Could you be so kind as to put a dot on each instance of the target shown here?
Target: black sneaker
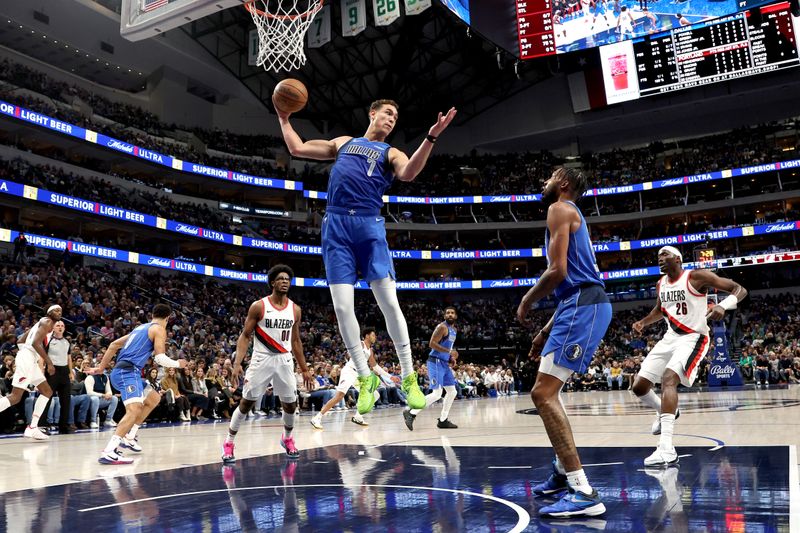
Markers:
(445, 424)
(409, 418)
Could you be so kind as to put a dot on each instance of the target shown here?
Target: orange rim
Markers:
(250, 6)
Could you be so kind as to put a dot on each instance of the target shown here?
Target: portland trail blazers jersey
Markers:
(683, 307)
(273, 333)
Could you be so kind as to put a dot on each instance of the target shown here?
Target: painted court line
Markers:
(429, 466)
(604, 464)
(511, 467)
(523, 518)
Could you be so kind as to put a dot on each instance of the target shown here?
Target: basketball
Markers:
(290, 95)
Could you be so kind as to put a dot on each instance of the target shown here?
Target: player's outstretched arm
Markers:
(701, 279)
(111, 351)
(559, 220)
(405, 168)
(254, 314)
(321, 150)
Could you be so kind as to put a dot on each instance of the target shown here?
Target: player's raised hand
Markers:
(281, 114)
(442, 122)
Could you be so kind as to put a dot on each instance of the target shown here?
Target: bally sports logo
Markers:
(502, 283)
(119, 145)
(786, 226)
(189, 230)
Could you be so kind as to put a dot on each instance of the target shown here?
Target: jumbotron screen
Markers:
(547, 27)
(744, 44)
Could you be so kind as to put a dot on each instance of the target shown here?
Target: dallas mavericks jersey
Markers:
(360, 175)
(581, 263)
(138, 348)
(447, 342)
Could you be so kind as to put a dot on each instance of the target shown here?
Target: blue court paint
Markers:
(746, 488)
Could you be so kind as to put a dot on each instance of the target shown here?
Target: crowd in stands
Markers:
(445, 175)
(101, 305)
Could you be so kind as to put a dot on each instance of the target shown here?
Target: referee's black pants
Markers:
(59, 382)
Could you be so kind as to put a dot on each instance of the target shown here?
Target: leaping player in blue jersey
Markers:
(354, 234)
(569, 339)
(135, 349)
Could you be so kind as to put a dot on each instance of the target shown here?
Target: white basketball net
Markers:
(282, 26)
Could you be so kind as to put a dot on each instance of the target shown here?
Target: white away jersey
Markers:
(683, 307)
(273, 333)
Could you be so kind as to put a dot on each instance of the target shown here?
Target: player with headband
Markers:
(682, 302)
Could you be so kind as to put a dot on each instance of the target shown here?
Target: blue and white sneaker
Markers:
(575, 503)
(131, 444)
(555, 483)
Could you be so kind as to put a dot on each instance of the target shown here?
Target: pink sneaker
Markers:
(227, 453)
(288, 444)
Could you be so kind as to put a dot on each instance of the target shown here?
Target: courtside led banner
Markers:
(102, 252)
(118, 213)
(65, 128)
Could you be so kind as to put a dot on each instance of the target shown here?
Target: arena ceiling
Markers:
(427, 62)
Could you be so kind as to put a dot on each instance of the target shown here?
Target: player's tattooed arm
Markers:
(702, 279)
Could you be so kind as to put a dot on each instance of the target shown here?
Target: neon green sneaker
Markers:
(366, 399)
(414, 397)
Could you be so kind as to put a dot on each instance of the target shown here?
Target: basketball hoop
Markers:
(282, 25)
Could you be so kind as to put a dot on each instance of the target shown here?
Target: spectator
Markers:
(98, 387)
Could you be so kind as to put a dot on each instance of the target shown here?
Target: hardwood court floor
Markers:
(738, 471)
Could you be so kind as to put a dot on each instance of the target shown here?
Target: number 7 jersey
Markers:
(683, 307)
(273, 334)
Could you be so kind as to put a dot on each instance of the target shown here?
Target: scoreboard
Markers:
(535, 28)
(744, 44)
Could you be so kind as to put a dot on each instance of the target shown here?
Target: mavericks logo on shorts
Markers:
(573, 353)
(130, 389)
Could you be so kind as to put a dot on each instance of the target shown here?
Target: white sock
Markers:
(343, 297)
(288, 423)
(578, 481)
(651, 399)
(132, 433)
(667, 427)
(430, 399)
(236, 421)
(112, 444)
(385, 291)
(5, 403)
(38, 409)
(450, 396)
